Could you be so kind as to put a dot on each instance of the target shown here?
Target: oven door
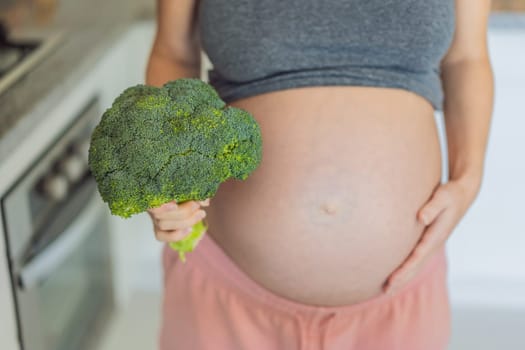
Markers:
(64, 293)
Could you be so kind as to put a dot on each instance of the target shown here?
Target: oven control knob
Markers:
(56, 187)
(73, 167)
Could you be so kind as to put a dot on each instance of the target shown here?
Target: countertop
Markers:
(88, 29)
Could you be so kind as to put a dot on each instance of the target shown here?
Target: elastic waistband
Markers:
(228, 273)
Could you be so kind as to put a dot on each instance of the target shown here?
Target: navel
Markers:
(329, 208)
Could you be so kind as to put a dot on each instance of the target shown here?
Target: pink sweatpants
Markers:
(209, 303)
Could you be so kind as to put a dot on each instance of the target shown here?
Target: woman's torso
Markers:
(331, 210)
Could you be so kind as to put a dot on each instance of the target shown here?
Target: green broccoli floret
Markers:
(178, 142)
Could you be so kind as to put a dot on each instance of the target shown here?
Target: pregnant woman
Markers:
(337, 240)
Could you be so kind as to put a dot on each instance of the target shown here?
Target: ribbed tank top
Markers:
(257, 46)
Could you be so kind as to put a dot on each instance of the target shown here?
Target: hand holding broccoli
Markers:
(172, 222)
(174, 143)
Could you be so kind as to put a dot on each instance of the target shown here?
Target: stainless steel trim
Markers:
(48, 43)
(43, 265)
(20, 222)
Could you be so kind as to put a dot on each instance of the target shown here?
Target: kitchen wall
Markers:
(487, 249)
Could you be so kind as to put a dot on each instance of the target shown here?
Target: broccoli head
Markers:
(178, 142)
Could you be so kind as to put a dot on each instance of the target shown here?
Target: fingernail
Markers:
(202, 214)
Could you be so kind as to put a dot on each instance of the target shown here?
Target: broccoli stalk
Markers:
(178, 142)
(188, 243)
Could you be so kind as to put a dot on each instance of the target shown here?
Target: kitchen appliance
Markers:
(58, 244)
(18, 55)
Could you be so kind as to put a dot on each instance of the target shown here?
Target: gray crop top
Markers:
(258, 46)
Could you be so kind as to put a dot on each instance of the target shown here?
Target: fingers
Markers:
(440, 214)
(173, 221)
(434, 206)
(434, 237)
(181, 223)
(164, 208)
(171, 236)
(172, 211)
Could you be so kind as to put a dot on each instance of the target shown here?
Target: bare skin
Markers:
(334, 208)
(331, 210)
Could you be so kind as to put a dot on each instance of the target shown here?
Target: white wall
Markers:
(487, 248)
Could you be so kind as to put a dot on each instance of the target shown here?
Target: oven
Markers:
(58, 244)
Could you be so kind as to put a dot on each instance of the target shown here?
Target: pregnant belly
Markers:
(331, 210)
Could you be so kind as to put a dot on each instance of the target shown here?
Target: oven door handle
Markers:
(44, 264)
